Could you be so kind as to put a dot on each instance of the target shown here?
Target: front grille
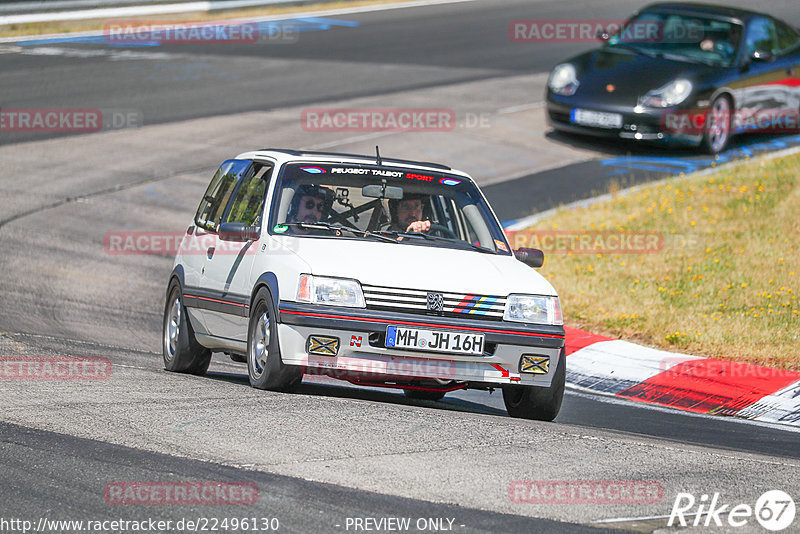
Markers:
(462, 305)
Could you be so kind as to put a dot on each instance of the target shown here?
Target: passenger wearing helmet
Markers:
(310, 204)
(407, 214)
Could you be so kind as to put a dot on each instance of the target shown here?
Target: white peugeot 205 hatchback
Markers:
(378, 271)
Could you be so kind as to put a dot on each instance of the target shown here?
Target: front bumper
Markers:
(645, 125)
(361, 349)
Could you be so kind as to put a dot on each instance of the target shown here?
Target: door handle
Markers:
(210, 252)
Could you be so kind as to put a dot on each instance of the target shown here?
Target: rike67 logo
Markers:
(774, 510)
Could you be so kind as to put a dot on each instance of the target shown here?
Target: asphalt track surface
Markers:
(64, 297)
(37, 458)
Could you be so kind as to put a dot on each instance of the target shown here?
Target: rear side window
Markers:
(787, 37)
(212, 207)
(761, 36)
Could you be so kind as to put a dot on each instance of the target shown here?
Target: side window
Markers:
(212, 207)
(787, 37)
(760, 36)
(248, 201)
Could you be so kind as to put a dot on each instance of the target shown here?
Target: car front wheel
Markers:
(532, 402)
(264, 365)
(717, 131)
(182, 353)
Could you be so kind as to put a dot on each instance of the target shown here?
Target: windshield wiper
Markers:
(428, 237)
(690, 59)
(481, 249)
(315, 226)
(395, 233)
(635, 49)
(649, 52)
(451, 240)
(339, 228)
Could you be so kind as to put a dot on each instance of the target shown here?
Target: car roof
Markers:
(288, 155)
(704, 9)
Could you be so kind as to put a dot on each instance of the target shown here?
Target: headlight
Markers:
(563, 80)
(333, 291)
(533, 309)
(671, 94)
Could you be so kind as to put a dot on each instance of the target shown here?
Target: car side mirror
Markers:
(762, 55)
(530, 256)
(603, 35)
(239, 232)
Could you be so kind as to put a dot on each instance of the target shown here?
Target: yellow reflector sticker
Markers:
(531, 363)
(322, 346)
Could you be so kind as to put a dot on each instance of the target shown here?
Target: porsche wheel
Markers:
(717, 131)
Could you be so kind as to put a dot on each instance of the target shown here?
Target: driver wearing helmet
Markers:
(406, 214)
(310, 204)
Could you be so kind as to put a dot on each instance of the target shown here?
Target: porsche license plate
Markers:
(599, 119)
(434, 340)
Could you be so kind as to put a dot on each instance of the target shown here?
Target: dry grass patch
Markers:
(725, 284)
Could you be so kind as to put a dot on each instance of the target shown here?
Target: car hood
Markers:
(631, 74)
(420, 267)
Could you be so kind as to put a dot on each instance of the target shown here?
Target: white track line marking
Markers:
(165, 9)
(521, 107)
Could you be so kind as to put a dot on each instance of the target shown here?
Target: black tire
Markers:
(541, 404)
(417, 394)
(797, 119)
(264, 366)
(717, 130)
(181, 351)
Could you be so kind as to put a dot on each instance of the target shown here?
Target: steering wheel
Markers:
(443, 230)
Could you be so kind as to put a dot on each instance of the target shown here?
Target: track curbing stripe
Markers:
(684, 382)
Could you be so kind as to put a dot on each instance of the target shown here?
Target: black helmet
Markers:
(311, 190)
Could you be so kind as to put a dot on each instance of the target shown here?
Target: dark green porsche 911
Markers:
(683, 74)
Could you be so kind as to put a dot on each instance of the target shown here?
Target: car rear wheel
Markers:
(264, 365)
(182, 353)
(531, 402)
(717, 131)
(417, 394)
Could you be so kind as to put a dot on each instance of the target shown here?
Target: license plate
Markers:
(434, 340)
(596, 118)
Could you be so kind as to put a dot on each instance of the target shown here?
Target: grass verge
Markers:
(721, 278)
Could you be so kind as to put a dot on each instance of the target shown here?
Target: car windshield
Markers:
(681, 37)
(386, 204)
